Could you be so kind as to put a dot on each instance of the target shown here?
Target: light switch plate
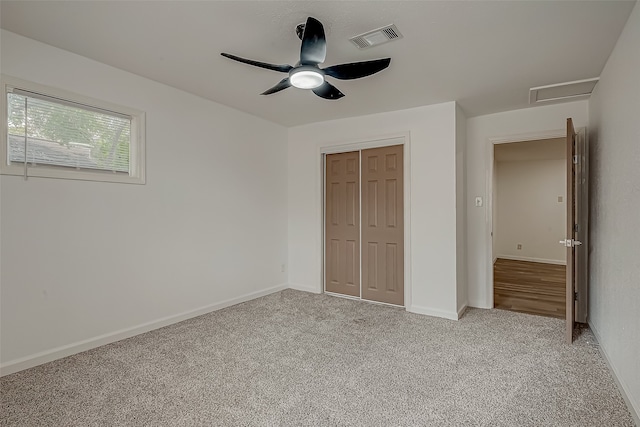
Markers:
(478, 202)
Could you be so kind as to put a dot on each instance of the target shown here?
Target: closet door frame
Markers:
(359, 145)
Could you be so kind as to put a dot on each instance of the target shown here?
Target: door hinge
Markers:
(575, 296)
(575, 159)
(576, 227)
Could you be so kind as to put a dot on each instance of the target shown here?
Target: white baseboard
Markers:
(303, 288)
(479, 304)
(531, 259)
(30, 361)
(435, 312)
(461, 311)
(634, 409)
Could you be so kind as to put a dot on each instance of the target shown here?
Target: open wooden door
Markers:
(576, 213)
(569, 242)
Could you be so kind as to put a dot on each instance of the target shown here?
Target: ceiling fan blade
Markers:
(283, 68)
(314, 45)
(355, 70)
(283, 84)
(328, 91)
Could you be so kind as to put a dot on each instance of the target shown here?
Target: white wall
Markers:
(614, 140)
(529, 211)
(511, 124)
(82, 260)
(433, 199)
(461, 205)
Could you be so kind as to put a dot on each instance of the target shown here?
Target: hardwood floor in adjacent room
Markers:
(529, 287)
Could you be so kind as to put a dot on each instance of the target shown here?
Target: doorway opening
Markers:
(576, 203)
(529, 219)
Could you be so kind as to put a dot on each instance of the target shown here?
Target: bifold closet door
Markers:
(383, 225)
(342, 223)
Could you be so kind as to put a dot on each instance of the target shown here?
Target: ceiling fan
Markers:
(306, 74)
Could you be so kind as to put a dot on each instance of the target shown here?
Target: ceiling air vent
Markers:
(376, 37)
(570, 90)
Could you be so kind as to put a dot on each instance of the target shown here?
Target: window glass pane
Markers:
(58, 134)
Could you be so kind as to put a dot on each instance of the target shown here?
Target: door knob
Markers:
(570, 243)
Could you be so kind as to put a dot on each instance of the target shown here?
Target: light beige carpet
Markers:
(297, 359)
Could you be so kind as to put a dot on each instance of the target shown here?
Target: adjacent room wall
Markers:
(529, 211)
(495, 236)
(614, 139)
(433, 199)
(84, 263)
(510, 124)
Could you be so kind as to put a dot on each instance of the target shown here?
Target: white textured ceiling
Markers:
(485, 55)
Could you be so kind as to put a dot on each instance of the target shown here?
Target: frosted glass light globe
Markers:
(306, 78)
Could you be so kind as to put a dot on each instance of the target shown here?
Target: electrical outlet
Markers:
(519, 246)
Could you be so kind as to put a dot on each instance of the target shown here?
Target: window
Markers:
(64, 135)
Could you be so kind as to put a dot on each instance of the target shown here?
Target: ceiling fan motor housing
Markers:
(300, 30)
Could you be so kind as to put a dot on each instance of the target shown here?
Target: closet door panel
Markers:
(342, 223)
(383, 225)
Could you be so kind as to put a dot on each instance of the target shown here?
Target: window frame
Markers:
(136, 148)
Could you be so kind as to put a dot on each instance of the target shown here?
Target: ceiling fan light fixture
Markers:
(306, 78)
(307, 74)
